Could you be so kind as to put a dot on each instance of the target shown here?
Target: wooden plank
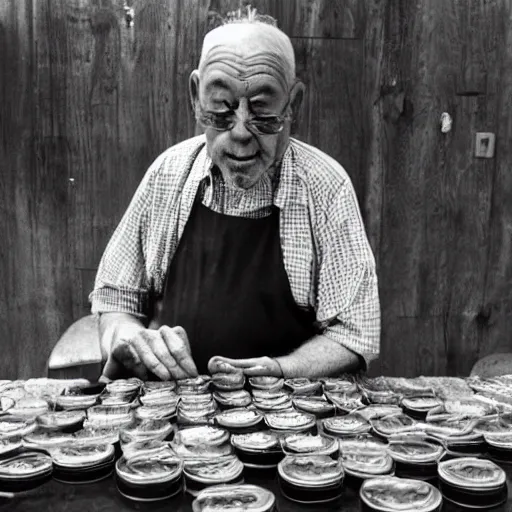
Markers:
(342, 19)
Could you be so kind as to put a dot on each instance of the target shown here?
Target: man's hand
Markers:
(251, 367)
(164, 352)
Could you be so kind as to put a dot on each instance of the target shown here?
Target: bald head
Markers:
(253, 45)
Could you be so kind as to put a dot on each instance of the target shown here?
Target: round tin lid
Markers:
(76, 401)
(144, 429)
(111, 400)
(338, 385)
(145, 469)
(157, 412)
(197, 384)
(96, 435)
(471, 473)
(278, 403)
(344, 401)
(310, 470)
(255, 441)
(29, 407)
(160, 397)
(25, 465)
(214, 470)
(240, 397)
(377, 411)
(419, 452)
(365, 457)
(202, 434)
(110, 415)
(266, 382)
(158, 385)
(289, 420)
(124, 386)
(9, 444)
(390, 494)
(44, 438)
(16, 426)
(393, 424)
(196, 399)
(313, 404)
(60, 419)
(234, 380)
(234, 497)
(464, 408)
(78, 456)
(302, 385)
(238, 418)
(499, 439)
(421, 403)
(349, 424)
(306, 443)
(454, 430)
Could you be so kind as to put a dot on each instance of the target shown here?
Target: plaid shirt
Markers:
(326, 253)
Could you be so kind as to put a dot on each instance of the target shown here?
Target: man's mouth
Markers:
(242, 158)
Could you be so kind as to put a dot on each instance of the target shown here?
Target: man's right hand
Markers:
(165, 352)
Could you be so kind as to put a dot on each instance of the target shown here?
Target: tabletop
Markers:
(102, 496)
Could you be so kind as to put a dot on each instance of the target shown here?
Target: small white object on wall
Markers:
(446, 122)
(484, 144)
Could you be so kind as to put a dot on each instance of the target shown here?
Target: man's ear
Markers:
(296, 98)
(193, 88)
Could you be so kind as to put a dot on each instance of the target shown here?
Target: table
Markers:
(104, 497)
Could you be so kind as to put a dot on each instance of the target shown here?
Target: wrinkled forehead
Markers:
(249, 49)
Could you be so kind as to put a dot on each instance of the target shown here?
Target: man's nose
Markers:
(239, 131)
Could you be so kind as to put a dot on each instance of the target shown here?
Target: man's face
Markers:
(243, 87)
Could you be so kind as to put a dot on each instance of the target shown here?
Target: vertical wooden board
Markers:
(341, 19)
(332, 111)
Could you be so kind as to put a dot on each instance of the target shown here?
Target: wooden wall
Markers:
(87, 102)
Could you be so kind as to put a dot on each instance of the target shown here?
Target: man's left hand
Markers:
(251, 367)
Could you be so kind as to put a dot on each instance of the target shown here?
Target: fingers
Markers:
(217, 365)
(238, 363)
(257, 370)
(178, 346)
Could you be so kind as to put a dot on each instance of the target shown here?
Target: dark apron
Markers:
(228, 288)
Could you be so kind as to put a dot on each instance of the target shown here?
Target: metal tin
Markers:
(145, 430)
(91, 435)
(24, 471)
(295, 444)
(394, 424)
(199, 384)
(391, 494)
(302, 386)
(68, 421)
(239, 419)
(6, 403)
(9, 445)
(258, 450)
(46, 439)
(13, 426)
(149, 478)
(499, 446)
(160, 397)
(317, 405)
(83, 464)
(157, 412)
(345, 402)
(102, 415)
(339, 385)
(202, 473)
(190, 414)
(230, 399)
(29, 407)
(76, 401)
(310, 478)
(228, 381)
(124, 386)
(416, 458)
(348, 425)
(271, 400)
(417, 407)
(377, 411)
(290, 421)
(151, 386)
(266, 382)
(472, 482)
(231, 497)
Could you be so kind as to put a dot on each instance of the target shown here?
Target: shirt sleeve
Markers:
(347, 289)
(122, 284)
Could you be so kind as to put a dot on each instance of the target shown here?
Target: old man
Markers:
(243, 248)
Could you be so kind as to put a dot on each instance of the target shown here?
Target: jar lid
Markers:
(350, 424)
(411, 452)
(310, 470)
(279, 402)
(471, 473)
(44, 438)
(313, 404)
(214, 470)
(144, 469)
(302, 385)
(238, 418)
(365, 457)
(203, 434)
(453, 429)
(266, 382)
(289, 420)
(157, 412)
(421, 403)
(255, 441)
(306, 443)
(78, 401)
(393, 424)
(60, 419)
(199, 384)
(25, 465)
(77, 456)
(390, 494)
(232, 497)
(234, 380)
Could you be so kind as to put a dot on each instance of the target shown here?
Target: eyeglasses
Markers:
(224, 121)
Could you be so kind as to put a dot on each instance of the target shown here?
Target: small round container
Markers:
(163, 396)
(45, 440)
(111, 400)
(392, 494)
(378, 411)
(115, 416)
(266, 382)
(200, 384)
(196, 400)
(76, 401)
(231, 497)
(258, 450)
(124, 386)
(310, 479)
(198, 414)
(363, 459)
(457, 436)
(29, 407)
(156, 412)
(83, 464)
(417, 407)
(66, 421)
(94, 436)
(381, 397)
(303, 386)
(232, 399)
(499, 446)
(11, 426)
(10, 445)
(146, 430)
(345, 403)
(155, 477)
(297, 444)
(317, 405)
(416, 459)
(24, 471)
(472, 482)
(158, 385)
(463, 408)
(339, 385)
(239, 420)
(392, 425)
(228, 381)
(202, 435)
(279, 402)
(345, 426)
(290, 422)
(202, 473)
